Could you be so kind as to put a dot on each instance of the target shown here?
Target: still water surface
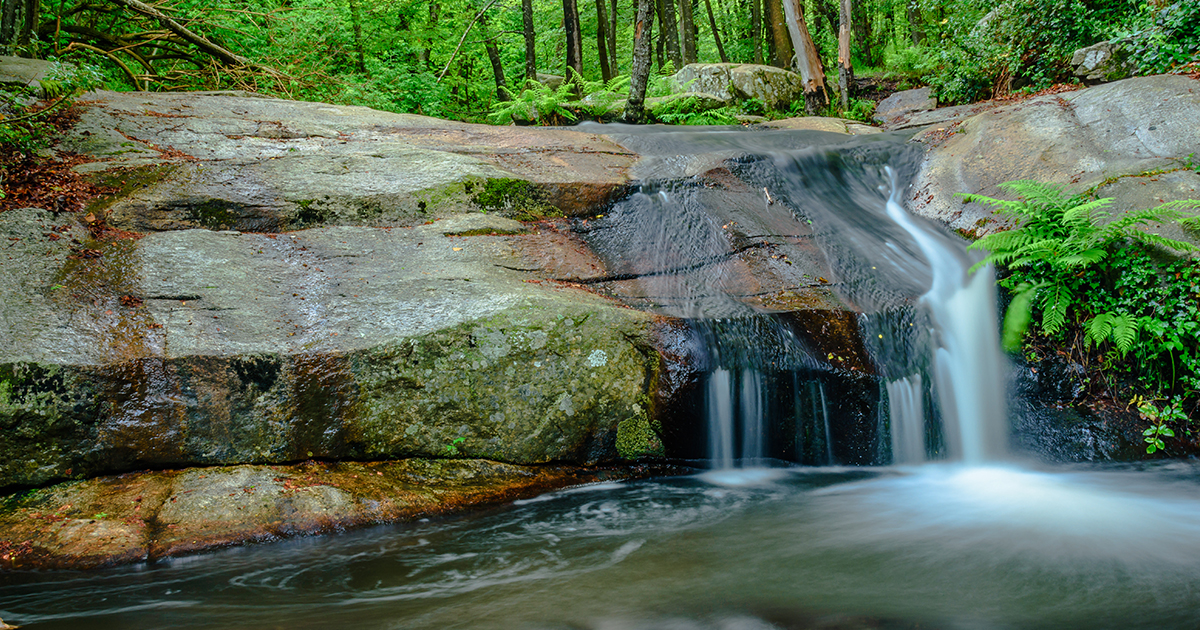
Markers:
(934, 546)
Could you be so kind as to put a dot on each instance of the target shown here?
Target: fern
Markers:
(537, 102)
(1059, 238)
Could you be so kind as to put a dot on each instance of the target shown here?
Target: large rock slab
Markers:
(149, 516)
(198, 347)
(775, 87)
(235, 161)
(903, 104)
(1090, 139)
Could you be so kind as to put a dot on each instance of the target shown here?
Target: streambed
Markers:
(934, 546)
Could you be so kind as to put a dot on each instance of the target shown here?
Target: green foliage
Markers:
(1166, 38)
(452, 447)
(1159, 419)
(536, 103)
(691, 111)
(1080, 268)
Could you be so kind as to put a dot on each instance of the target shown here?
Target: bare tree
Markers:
(640, 72)
(670, 32)
(356, 23)
(808, 62)
(756, 29)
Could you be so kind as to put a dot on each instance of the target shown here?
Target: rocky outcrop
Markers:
(233, 161)
(1129, 139)
(899, 106)
(775, 87)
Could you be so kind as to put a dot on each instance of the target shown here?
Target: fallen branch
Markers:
(73, 46)
(200, 42)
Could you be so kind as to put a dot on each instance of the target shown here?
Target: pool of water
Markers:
(933, 546)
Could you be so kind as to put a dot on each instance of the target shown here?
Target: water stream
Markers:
(950, 535)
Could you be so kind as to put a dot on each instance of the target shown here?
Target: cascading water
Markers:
(939, 546)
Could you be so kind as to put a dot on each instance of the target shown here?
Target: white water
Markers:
(968, 366)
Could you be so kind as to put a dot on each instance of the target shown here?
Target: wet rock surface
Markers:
(153, 515)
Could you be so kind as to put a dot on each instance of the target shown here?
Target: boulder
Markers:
(903, 104)
(1101, 63)
(199, 347)
(775, 87)
(1140, 130)
(703, 101)
(552, 81)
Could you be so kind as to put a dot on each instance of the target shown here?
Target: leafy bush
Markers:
(1083, 271)
(536, 103)
(1168, 37)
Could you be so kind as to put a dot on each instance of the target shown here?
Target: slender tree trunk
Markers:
(845, 69)
(687, 35)
(640, 72)
(670, 32)
(781, 42)
(808, 62)
(493, 53)
(432, 24)
(916, 26)
(660, 45)
(712, 22)
(602, 40)
(756, 29)
(574, 38)
(33, 11)
(356, 22)
(530, 41)
(862, 33)
(10, 11)
(612, 41)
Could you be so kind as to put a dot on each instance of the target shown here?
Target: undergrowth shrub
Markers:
(1082, 276)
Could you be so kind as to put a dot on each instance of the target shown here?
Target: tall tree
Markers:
(781, 44)
(845, 69)
(356, 23)
(756, 29)
(612, 41)
(687, 33)
(916, 24)
(430, 34)
(492, 48)
(640, 72)
(670, 32)
(712, 21)
(808, 62)
(530, 40)
(602, 40)
(574, 37)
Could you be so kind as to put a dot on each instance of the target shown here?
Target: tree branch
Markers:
(456, 48)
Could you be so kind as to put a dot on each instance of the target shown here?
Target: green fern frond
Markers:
(1056, 299)
(1000, 206)
(1162, 241)
(1016, 318)
(1124, 332)
(1084, 258)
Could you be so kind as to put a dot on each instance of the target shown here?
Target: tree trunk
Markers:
(862, 33)
(808, 62)
(756, 29)
(687, 35)
(432, 24)
(493, 53)
(530, 41)
(33, 12)
(712, 21)
(356, 22)
(640, 72)
(660, 45)
(10, 10)
(612, 41)
(845, 69)
(670, 32)
(916, 26)
(574, 38)
(782, 44)
(602, 40)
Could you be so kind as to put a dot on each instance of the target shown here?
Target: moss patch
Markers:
(639, 437)
(516, 198)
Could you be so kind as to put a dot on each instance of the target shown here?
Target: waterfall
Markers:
(968, 374)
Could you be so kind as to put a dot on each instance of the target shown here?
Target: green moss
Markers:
(517, 198)
(126, 181)
(214, 215)
(638, 436)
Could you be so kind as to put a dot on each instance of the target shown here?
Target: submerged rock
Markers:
(149, 516)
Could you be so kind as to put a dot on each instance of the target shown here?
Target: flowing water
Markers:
(949, 536)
